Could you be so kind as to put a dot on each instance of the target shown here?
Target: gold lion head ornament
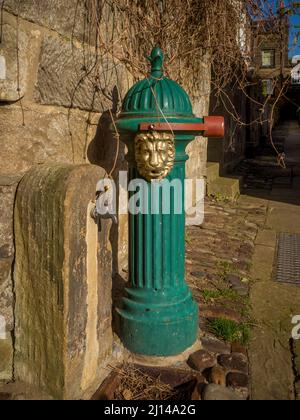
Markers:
(154, 155)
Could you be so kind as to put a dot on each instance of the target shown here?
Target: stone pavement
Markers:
(274, 356)
(219, 260)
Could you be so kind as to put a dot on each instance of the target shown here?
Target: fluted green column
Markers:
(159, 316)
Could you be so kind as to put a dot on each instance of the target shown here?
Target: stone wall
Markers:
(47, 60)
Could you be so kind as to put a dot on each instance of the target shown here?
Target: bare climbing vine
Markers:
(198, 37)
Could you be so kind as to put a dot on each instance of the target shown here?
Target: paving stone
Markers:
(242, 288)
(234, 280)
(217, 376)
(237, 380)
(234, 362)
(239, 348)
(213, 345)
(201, 360)
(213, 312)
(214, 392)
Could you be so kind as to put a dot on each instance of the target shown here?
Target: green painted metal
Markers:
(157, 94)
(159, 316)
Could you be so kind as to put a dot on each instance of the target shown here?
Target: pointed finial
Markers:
(157, 60)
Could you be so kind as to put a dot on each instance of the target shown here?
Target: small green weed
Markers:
(230, 331)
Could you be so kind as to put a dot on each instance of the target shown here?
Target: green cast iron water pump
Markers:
(159, 316)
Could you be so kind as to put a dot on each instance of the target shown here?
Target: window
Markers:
(268, 58)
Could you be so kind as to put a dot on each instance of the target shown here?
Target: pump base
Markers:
(162, 329)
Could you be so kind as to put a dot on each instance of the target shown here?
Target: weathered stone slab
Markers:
(60, 15)
(71, 76)
(63, 280)
(17, 51)
(50, 135)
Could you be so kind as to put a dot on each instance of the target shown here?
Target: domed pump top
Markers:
(161, 104)
(157, 60)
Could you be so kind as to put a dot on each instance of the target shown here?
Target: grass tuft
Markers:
(230, 331)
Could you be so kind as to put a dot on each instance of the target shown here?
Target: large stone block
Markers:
(64, 16)
(63, 280)
(50, 134)
(75, 77)
(18, 49)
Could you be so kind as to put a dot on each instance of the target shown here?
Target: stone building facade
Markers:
(270, 47)
(51, 112)
(270, 73)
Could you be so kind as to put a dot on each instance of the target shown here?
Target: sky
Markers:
(295, 20)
